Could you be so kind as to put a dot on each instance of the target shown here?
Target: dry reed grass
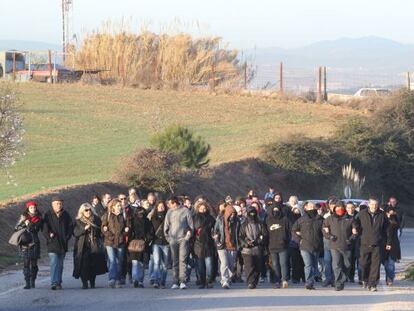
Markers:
(150, 60)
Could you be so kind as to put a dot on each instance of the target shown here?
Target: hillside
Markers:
(78, 134)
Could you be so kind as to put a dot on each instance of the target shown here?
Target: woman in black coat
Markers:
(204, 247)
(32, 221)
(394, 254)
(88, 254)
(141, 229)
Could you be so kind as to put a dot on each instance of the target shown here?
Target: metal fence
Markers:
(280, 77)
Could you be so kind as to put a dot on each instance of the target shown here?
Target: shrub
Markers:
(151, 170)
(380, 147)
(192, 150)
(302, 155)
(383, 146)
(11, 127)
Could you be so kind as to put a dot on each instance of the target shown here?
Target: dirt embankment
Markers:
(73, 197)
(233, 178)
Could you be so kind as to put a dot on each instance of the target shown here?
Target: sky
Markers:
(243, 24)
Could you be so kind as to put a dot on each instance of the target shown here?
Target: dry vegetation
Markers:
(150, 60)
(359, 103)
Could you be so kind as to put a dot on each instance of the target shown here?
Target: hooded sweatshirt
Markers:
(177, 223)
(278, 229)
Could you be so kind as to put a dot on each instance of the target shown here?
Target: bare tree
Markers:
(11, 127)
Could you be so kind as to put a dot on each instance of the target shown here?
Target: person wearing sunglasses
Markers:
(88, 254)
(127, 212)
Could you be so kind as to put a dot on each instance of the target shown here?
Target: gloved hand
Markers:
(333, 238)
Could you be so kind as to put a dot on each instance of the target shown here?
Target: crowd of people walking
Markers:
(249, 239)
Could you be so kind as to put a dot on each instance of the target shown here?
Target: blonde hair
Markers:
(145, 204)
(112, 203)
(82, 210)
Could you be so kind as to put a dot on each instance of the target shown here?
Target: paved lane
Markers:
(72, 298)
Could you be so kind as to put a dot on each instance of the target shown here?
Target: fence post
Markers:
(408, 81)
(14, 66)
(281, 79)
(319, 93)
(213, 77)
(325, 90)
(50, 65)
(245, 75)
(30, 65)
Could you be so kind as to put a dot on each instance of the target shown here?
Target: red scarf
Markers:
(33, 218)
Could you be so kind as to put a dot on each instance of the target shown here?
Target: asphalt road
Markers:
(72, 298)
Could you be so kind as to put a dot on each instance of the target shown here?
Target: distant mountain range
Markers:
(21, 45)
(345, 52)
(351, 63)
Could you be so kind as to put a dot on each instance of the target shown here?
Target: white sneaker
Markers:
(225, 285)
(183, 286)
(175, 286)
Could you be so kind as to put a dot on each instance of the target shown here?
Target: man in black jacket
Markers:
(58, 229)
(340, 230)
(374, 237)
(278, 232)
(308, 231)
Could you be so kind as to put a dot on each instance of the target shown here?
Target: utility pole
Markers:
(66, 8)
(408, 81)
(245, 75)
(319, 95)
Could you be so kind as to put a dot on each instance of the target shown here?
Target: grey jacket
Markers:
(177, 223)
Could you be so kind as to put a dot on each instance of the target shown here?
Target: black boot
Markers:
(92, 282)
(27, 284)
(33, 275)
(84, 284)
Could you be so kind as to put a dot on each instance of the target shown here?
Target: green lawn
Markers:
(78, 134)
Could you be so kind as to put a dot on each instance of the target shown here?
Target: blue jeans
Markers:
(310, 260)
(160, 255)
(205, 268)
(389, 266)
(115, 258)
(327, 260)
(280, 265)
(56, 267)
(137, 271)
(151, 273)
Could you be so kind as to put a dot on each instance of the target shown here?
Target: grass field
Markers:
(78, 134)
